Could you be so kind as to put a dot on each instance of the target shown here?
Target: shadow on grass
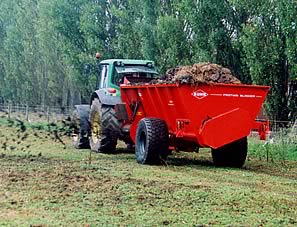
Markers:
(174, 160)
(124, 151)
(186, 161)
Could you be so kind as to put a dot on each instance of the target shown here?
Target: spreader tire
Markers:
(152, 141)
(105, 128)
(231, 155)
(80, 127)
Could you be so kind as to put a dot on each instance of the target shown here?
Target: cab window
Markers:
(104, 76)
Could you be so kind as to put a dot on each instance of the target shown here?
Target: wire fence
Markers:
(42, 113)
(35, 113)
(285, 127)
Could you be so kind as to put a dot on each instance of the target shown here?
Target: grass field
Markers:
(45, 183)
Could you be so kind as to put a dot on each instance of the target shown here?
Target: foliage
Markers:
(45, 45)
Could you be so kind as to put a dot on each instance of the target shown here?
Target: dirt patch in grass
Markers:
(284, 170)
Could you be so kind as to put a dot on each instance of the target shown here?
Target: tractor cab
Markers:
(114, 72)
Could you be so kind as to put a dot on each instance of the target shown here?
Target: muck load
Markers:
(191, 107)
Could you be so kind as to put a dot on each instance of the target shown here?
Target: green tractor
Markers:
(97, 125)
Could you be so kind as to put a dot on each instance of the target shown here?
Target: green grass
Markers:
(283, 147)
(38, 125)
(52, 184)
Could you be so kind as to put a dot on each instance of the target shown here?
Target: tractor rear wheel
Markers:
(231, 155)
(152, 141)
(80, 127)
(104, 128)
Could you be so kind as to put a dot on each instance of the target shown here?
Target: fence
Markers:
(53, 114)
(35, 113)
(284, 126)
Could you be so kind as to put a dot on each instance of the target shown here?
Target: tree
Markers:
(266, 54)
(45, 45)
(127, 41)
(171, 43)
(148, 28)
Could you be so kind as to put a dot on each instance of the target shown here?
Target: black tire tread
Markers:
(110, 128)
(231, 155)
(81, 115)
(157, 140)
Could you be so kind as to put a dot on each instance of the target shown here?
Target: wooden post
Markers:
(47, 114)
(27, 113)
(9, 111)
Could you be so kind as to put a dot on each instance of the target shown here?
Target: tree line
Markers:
(45, 45)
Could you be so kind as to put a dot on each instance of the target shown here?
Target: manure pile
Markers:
(200, 73)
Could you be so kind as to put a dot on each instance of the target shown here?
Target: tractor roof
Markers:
(134, 69)
(127, 61)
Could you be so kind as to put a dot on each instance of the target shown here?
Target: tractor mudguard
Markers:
(106, 99)
(82, 108)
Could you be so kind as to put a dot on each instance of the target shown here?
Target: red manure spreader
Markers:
(131, 103)
(161, 117)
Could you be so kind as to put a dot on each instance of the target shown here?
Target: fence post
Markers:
(9, 111)
(27, 113)
(47, 114)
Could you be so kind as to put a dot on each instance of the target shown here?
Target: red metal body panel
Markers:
(262, 127)
(208, 115)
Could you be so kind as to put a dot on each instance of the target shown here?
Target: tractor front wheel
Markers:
(80, 127)
(231, 155)
(152, 141)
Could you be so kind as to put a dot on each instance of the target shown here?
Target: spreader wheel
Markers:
(104, 128)
(231, 155)
(152, 141)
(80, 127)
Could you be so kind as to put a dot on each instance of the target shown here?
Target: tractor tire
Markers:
(105, 128)
(152, 141)
(231, 155)
(80, 127)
